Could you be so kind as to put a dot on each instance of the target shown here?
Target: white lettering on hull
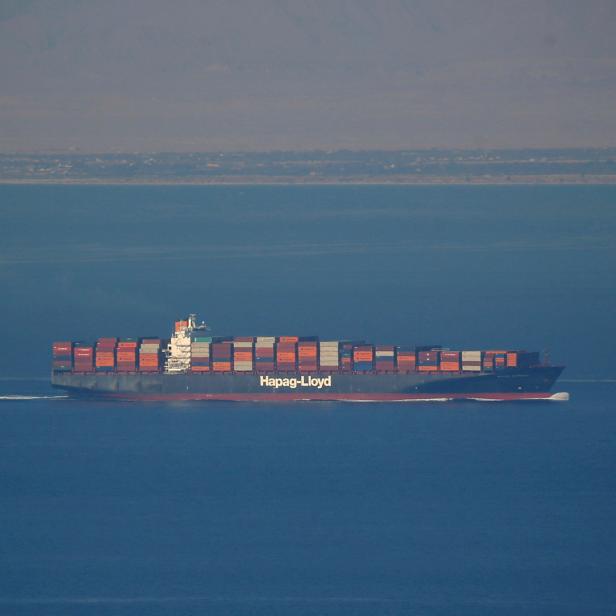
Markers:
(294, 383)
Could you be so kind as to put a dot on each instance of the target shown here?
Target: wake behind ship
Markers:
(193, 365)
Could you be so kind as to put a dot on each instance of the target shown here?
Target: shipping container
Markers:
(292, 339)
(405, 360)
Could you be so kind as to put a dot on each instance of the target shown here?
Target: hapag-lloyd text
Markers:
(293, 383)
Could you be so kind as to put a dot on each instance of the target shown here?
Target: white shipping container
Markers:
(471, 356)
(266, 339)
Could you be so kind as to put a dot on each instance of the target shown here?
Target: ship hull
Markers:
(534, 383)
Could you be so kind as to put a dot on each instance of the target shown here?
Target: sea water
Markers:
(309, 508)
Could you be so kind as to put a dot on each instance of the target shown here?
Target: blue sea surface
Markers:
(310, 508)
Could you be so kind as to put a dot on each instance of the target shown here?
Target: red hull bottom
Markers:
(331, 397)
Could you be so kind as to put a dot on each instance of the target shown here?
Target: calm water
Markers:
(310, 508)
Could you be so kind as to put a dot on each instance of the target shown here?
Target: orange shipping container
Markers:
(450, 366)
(221, 366)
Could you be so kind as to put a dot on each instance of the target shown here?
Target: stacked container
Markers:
(471, 361)
(105, 354)
(286, 353)
(62, 354)
(427, 361)
(405, 360)
(346, 356)
(328, 355)
(512, 359)
(243, 354)
(385, 357)
(264, 353)
(363, 358)
(149, 355)
(307, 355)
(200, 353)
(222, 356)
(126, 355)
(487, 362)
(450, 361)
(83, 357)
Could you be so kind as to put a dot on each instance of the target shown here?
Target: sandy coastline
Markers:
(547, 180)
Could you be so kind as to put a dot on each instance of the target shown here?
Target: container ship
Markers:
(194, 365)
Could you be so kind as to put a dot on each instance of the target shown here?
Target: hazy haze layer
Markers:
(268, 74)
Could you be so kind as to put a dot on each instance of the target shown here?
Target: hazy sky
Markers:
(130, 75)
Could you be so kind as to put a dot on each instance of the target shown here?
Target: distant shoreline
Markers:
(539, 180)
